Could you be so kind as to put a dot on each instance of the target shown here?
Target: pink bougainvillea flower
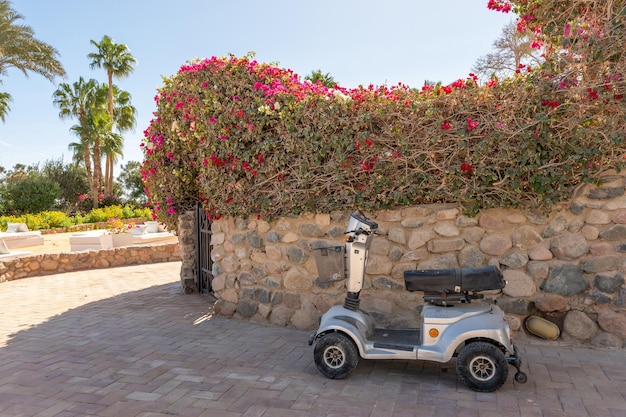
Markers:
(593, 94)
(471, 124)
(446, 125)
(499, 5)
(212, 120)
(171, 211)
(553, 104)
(466, 167)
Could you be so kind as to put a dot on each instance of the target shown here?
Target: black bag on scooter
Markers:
(454, 280)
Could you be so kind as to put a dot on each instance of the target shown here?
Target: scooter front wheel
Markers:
(335, 355)
(482, 366)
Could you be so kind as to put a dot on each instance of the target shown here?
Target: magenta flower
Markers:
(471, 124)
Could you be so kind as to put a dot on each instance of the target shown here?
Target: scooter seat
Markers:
(454, 280)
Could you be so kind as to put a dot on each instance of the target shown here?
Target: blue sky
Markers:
(356, 41)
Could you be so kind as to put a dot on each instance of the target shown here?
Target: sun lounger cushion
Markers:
(152, 227)
(3, 248)
(16, 227)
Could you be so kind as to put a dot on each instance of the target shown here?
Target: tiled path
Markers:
(126, 342)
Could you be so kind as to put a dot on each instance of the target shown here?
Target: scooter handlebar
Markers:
(357, 217)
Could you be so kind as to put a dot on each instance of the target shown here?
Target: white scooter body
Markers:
(446, 328)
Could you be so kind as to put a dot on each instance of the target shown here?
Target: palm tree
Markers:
(5, 98)
(19, 49)
(85, 101)
(112, 144)
(118, 62)
(318, 77)
(123, 120)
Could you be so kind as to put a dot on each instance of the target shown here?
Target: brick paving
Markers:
(126, 342)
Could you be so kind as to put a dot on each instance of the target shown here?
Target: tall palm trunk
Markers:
(108, 175)
(97, 169)
(92, 189)
(109, 162)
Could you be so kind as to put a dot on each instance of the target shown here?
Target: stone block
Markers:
(473, 234)
(550, 303)
(496, 244)
(490, 221)
(556, 226)
(601, 264)
(297, 254)
(607, 340)
(413, 223)
(446, 229)
(540, 253)
(569, 246)
(616, 232)
(514, 259)
(597, 217)
(379, 265)
(605, 193)
(525, 237)
(419, 238)
(445, 245)
(296, 279)
(518, 284)
(446, 214)
(565, 279)
(613, 322)
(471, 257)
(397, 235)
(578, 325)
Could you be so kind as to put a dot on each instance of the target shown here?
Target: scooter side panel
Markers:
(485, 326)
(360, 328)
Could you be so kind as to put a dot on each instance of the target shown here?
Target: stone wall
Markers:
(187, 238)
(46, 264)
(567, 265)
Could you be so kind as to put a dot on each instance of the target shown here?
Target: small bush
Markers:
(58, 219)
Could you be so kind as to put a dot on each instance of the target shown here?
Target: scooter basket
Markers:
(331, 263)
(454, 280)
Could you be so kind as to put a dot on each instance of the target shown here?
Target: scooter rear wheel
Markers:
(482, 366)
(335, 355)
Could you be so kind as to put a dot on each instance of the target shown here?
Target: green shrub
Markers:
(32, 194)
(58, 219)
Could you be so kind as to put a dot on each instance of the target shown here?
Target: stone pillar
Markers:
(187, 240)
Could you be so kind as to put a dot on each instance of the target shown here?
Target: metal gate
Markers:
(204, 264)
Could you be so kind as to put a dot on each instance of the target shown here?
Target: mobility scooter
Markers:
(450, 325)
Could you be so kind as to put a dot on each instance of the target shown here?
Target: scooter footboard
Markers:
(454, 280)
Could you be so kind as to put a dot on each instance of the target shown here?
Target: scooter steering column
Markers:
(358, 241)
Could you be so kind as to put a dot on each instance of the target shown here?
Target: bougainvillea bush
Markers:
(250, 138)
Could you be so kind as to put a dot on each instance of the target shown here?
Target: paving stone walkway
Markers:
(126, 342)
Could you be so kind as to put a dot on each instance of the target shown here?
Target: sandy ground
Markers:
(60, 243)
